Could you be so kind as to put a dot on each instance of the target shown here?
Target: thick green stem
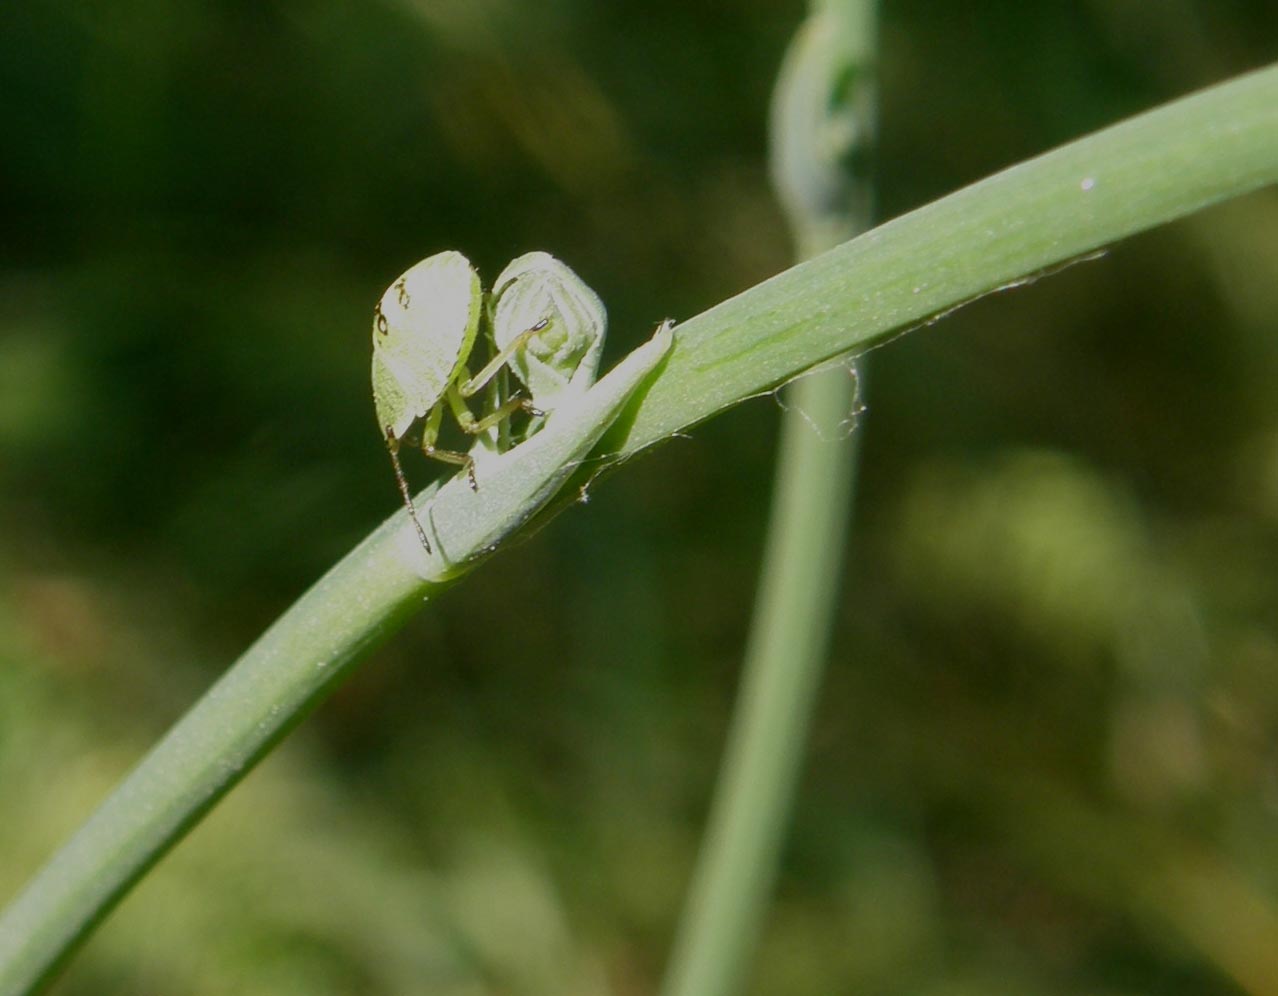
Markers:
(1162, 165)
(300, 659)
(1150, 169)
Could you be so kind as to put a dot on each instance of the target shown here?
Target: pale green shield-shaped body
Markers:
(560, 360)
(424, 328)
(547, 327)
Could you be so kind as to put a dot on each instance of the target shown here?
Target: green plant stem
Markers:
(279, 679)
(781, 675)
(822, 123)
(295, 663)
(1162, 165)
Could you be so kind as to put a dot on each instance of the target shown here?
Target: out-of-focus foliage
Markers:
(1045, 761)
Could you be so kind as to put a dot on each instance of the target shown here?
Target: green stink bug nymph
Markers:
(424, 329)
(545, 323)
(561, 360)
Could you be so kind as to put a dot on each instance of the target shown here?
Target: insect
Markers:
(562, 359)
(424, 331)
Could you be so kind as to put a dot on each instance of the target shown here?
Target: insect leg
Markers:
(475, 426)
(430, 432)
(497, 362)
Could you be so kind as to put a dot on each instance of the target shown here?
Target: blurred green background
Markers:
(1046, 759)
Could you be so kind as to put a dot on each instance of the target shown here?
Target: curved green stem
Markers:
(298, 661)
(822, 125)
(1162, 165)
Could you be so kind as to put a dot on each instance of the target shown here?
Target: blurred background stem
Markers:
(165, 492)
(822, 122)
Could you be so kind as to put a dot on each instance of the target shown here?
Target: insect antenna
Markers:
(392, 447)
